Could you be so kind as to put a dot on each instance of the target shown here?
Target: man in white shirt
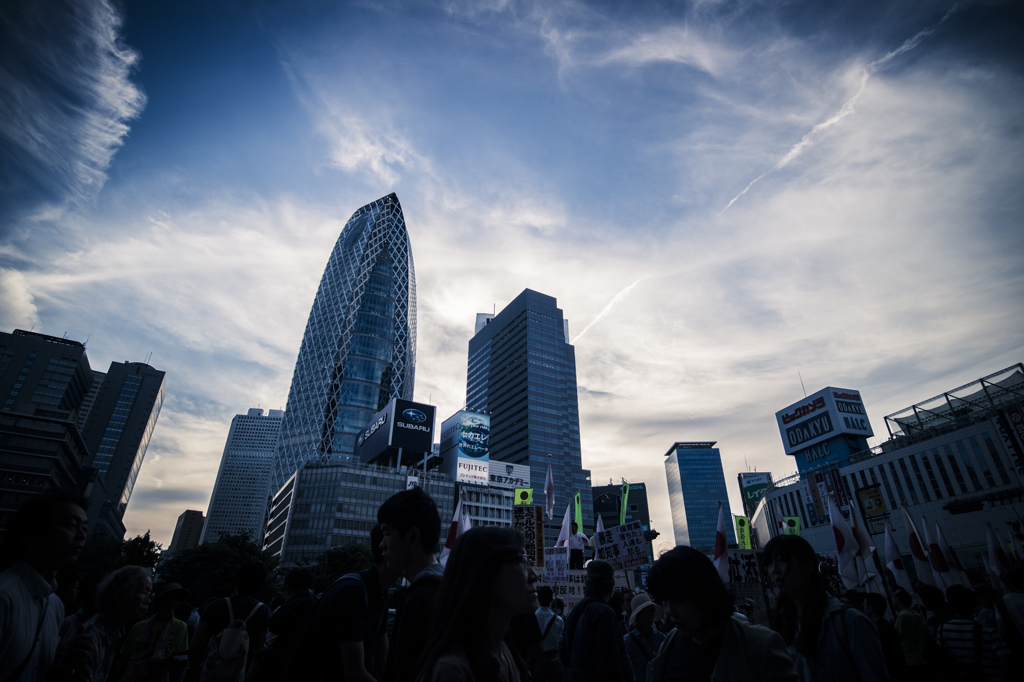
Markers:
(576, 542)
(547, 667)
(46, 534)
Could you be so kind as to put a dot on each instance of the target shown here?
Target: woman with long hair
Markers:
(827, 640)
(486, 582)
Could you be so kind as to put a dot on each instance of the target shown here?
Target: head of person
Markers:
(986, 596)
(932, 598)
(575, 528)
(600, 580)
(687, 585)
(124, 595)
(167, 599)
(793, 567)
(855, 599)
(558, 606)
(902, 599)
(643, 613)
(545, 596)
(616, 602)
(48, 532)
(250, 578)
(962, 600)
(875, 606)
(486, 580)
(1013, 578)
(411, 527)
(297, 580)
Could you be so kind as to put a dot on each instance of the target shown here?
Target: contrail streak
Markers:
(604, 311)
(848, 106)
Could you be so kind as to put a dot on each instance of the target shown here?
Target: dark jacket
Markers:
(414, 618)
(751, 653)
(596, 651)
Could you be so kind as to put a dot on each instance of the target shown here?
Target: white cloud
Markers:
(677, 44)
(66, 101)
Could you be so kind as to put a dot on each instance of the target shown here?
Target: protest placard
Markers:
(570, 590)
(623, 546)
(556, 564)
(529, 519)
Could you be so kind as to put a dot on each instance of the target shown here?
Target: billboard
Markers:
(401, 424)
(753, 486)
(465, 438)
(506, 475)
(820, 417)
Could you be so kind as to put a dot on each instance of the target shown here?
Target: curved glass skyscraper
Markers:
(359, 348)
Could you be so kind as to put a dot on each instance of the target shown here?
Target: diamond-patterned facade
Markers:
(359, 348)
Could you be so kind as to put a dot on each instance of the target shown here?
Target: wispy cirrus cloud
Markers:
(66, 96)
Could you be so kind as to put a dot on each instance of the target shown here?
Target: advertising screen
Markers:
(753, 486)
(822, 416)
(401, 424)
(466, 435)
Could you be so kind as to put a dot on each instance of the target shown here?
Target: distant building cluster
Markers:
(310, 477)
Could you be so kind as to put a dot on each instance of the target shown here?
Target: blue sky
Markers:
(173, 176)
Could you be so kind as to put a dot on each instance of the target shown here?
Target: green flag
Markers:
(579, 514)
(625, 498)
(524, 496)
(743, 532)
(792, 525)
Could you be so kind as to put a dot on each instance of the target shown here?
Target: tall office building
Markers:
(522, 371)
(45, 389)
(120, 425)
(187, 531)
(696, 484)
(359, 348)
(239, 500)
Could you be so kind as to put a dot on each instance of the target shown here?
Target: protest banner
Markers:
(623, 546)
(570, 590)
(529, 520)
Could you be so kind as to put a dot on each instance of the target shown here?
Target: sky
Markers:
(725, 198)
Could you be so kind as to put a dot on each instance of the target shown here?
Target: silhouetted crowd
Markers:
(482, 618)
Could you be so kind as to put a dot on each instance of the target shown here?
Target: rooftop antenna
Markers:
(149, 356)
(86, 342)
(802, 383)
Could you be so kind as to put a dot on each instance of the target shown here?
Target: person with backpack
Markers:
(345, 636)
(287, 626)
(707, 642)
(547, 667)
(591, 646)
(411, 527)
(643, 641)
(972, 651)
(828, 641)
(231, 630)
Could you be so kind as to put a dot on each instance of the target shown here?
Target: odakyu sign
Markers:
(820, 417)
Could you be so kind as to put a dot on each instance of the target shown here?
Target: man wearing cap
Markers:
(591, 645)
(156, 648)
(643, 640)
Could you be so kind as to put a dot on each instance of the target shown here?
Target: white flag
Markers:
(919, 550)
(940, 569)
(956, 575)
(563, 535)
(460, 524)
(894, 560)
(846, 547)
(549, 493)
(721, 549)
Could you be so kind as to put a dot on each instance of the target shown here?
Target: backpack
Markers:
(228, 651)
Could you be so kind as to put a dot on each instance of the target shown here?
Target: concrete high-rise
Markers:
(240, 496)
(120, 425)
(522, 371)
(696, 484)
(359, 348)
(187, 531)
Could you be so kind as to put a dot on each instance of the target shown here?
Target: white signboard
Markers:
(570, 590)
(822, 416)
(510, 476)
(623, 546)
(556, 564)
